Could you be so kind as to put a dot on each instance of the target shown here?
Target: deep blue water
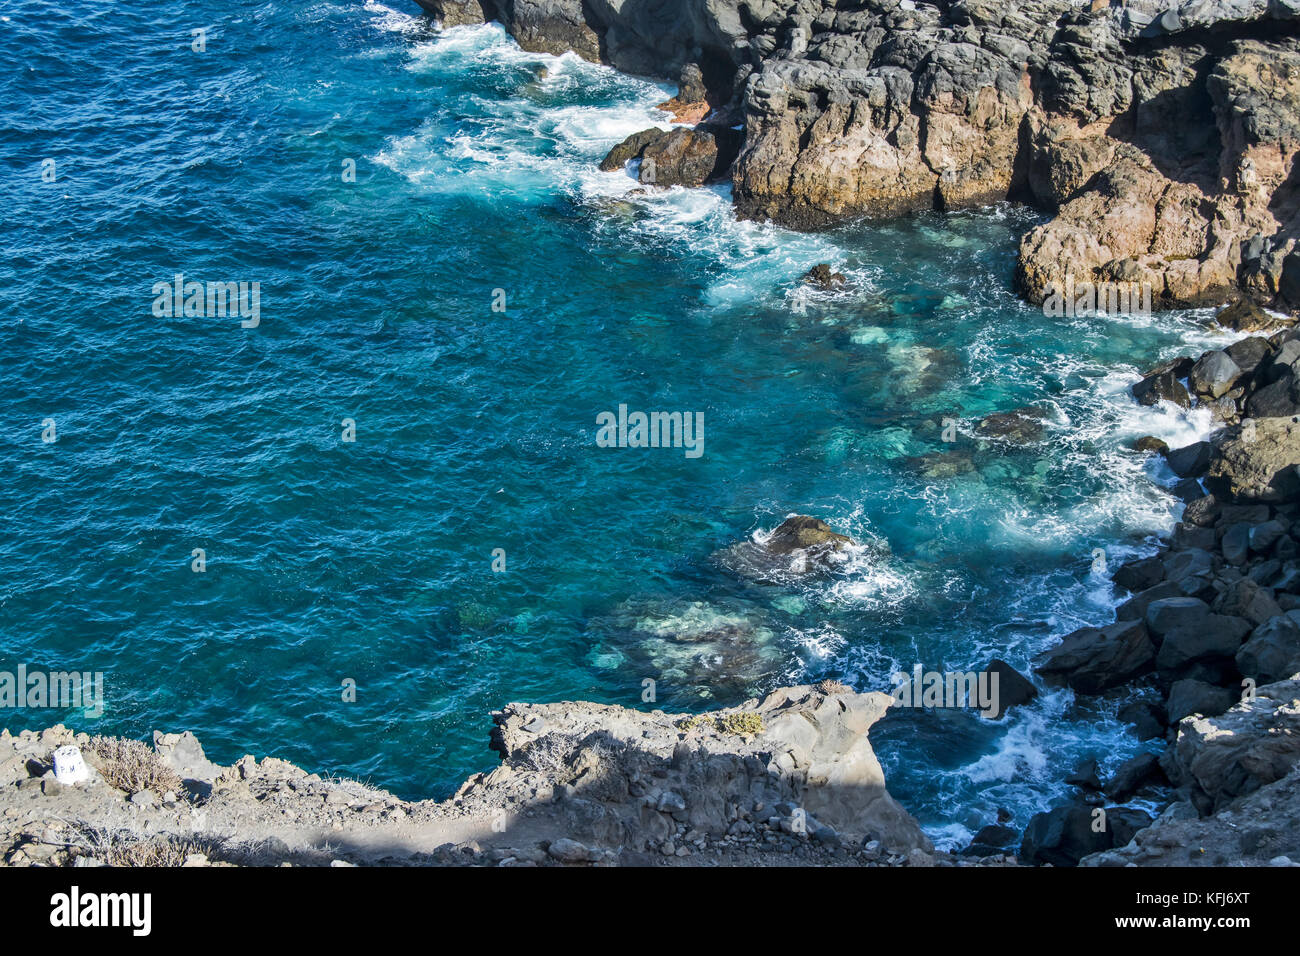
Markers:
(475, 429)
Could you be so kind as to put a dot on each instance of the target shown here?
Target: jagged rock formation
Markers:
(789, 779)
(1242, 770)
(1211, 631)
(1160, 136)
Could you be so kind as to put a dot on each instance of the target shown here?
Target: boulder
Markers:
(1092, 660)
(1190, 696)
(1217, 759)
(1249, 354)
(1256, 461)
(1161, 387)
(682, 157)
(1064, 835)
(1272, 653)
(1191, 562)
(1148, 719)
(805, 533)
(630, 149)
(1235, 543)
(184, 754)
(1139, 575)
(1247, 599)
(1213, 374)
(1014, 689)
(1171, 613)
(1245, 316)
(996, 835)
(1135, 608)
(1212, 638)
(823, 277)
(1085, 776)
(1279, 398)
(1191, 461)
(1149, 443)
(1132, 775)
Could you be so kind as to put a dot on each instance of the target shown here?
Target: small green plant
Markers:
(746, 723)
(698, 722)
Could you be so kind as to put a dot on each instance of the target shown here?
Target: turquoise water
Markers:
(475, 429)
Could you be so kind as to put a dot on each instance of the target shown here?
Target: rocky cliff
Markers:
(1159, 136)
(788, 779)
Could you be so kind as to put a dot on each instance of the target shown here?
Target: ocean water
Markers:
(372, 560)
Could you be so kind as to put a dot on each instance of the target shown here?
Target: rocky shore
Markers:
(1203, 658)
(789, 780)
(1204, 654)
(1159, 140)
(1158, 135)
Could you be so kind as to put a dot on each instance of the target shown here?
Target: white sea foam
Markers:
(532, 146)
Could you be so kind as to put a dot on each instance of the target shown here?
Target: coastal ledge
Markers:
(787, 780)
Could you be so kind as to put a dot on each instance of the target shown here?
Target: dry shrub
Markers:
(132, 766)
(829, 687)
(126, 847)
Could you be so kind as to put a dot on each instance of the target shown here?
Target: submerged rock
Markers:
(800, 545)
(702, 650)
(1020, 426)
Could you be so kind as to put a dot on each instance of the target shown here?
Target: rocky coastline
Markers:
(788, 780)
(1158, 136)
(1205, 651)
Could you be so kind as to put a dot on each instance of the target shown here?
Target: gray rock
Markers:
(1215, 637)
(1168, 614)
(1187, 697)
(1191, 461)
(1132, 775)
(1014, 689)
(1092, 660)
(569, 851)
(1213, 374)
(1273, 651)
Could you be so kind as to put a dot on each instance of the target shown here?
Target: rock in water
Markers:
(805, 533)
(1014, 689)
(1213, 374)
(631, 148)
(822, 277)
(1245, 316)
(1020, 426)
(1162, 387)
(683, 157)
(798, 546)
